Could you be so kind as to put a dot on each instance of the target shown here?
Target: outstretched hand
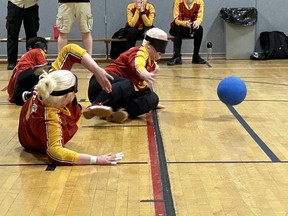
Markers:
(103, 79)
(148, 77)
(109, 158)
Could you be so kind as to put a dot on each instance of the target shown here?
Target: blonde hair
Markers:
(157, 34)
(54, 81)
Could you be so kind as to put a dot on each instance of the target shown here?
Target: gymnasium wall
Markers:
(110, 15)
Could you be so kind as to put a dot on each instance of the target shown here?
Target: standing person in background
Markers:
(188, 15)
(140, 18)
(68, 10)
(18, 11)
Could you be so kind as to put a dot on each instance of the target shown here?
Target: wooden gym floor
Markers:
(196, 157)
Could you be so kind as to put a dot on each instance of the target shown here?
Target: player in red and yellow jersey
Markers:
(69, 55)
(50, 118)
(34, 58)
(133, 72)
(187, 19)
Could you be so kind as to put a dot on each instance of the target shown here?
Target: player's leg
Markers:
(141, 102)
(25, 82)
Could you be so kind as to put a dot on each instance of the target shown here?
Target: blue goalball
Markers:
(231, 90)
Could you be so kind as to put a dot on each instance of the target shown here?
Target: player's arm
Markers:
(140, 62)
(61, 155)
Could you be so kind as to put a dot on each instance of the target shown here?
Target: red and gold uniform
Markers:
(31, 59)
(136, 19)
(130, 64)
(187, 19)
(129, 91)
(182, 12)
(137, 23)
(69, 55)
(48, 129)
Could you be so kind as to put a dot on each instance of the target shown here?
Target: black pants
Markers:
(25, 82)
(133, 34)
(123, 96)
(179, 32)
(15, 16)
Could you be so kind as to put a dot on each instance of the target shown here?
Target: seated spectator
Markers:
(187, 17)
(140, 18)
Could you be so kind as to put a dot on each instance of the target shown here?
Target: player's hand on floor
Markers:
(109, 158)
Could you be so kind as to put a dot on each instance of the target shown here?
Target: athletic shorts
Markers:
(67, 12)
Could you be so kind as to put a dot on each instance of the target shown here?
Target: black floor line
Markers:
(166, 188)
(225, 162)
(114, 125)
(151, 201)
(17, 165)
(132, 162)
(213, 100)
(256, 138)
(52, 167)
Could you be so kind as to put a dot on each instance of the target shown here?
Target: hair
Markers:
(37, 42)
(54, 81)
(156, 33)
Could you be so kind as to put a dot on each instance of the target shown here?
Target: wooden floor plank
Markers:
(215, 166)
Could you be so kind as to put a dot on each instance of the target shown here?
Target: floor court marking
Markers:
(50, 167)
(208, 64)
(190, 100)
(218, 79)
(159, 171)
(113, 125)
(16, 165)
(254, 136)
(225, 162)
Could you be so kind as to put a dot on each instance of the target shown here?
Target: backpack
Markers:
(118, 47)
(274, 45)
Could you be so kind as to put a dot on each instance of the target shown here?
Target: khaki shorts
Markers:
(67, 12)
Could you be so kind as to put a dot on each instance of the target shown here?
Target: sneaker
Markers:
(118, 117)
(11, 66)
(174, 61)
(198, 60)
(97, 110)
(26, 95)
